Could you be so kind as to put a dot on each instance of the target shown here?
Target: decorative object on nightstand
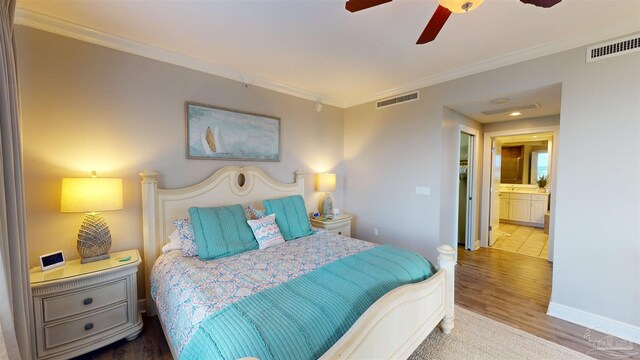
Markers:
(326, 182)
(339, 225)
(51, 260)
(82, 307)
(91, 196)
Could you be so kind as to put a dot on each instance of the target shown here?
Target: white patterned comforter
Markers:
(187, 290)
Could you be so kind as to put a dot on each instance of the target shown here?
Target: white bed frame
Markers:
(392, 328)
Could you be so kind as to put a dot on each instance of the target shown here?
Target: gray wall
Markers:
(449, 174)
(86, 107)
(597, 241)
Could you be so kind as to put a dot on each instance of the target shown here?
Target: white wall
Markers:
(597, 253)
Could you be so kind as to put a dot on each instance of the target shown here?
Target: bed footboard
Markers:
(394, 326)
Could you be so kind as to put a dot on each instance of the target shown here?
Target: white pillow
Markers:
(175, 236)
(266, 231)
(174, 243)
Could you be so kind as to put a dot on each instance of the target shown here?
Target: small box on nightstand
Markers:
(339, 225)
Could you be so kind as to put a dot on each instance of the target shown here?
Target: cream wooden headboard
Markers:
(160, 207)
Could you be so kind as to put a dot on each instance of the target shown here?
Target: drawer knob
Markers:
(88, 326)
(339, 232)
(88, 301)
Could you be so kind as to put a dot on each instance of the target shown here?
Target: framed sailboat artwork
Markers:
(225, 134)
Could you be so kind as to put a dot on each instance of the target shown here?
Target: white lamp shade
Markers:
(91, 194)
(326, 182)
(456, 6)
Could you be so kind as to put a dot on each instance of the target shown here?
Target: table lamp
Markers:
(326, 182)
(91, 196)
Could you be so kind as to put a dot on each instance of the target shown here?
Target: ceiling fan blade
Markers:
(435, 24)
(357, 5)
(542, 3)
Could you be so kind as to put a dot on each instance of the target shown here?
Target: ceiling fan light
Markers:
(460, 6)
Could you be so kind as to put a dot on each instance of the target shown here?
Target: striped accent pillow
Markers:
(221, 231)
(292, 218)
(266, 231)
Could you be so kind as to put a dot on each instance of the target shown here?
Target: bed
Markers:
(390, 327)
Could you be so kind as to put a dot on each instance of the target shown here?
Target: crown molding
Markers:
(79, 32)
(569, 43)
(68, 29)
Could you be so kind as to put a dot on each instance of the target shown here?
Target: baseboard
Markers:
(142, 306)
(596, 322)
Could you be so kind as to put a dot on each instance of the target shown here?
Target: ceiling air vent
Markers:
(613, 48)
(398, 100)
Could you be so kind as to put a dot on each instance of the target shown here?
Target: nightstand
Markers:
(82, 307)
(340, 225)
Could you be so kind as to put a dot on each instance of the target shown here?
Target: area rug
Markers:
(477, 337)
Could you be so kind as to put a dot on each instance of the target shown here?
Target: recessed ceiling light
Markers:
(515, 113)
(499, 101)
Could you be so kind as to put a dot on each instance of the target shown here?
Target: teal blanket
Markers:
(303, 318)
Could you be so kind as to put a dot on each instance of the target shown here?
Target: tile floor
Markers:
(525, 240)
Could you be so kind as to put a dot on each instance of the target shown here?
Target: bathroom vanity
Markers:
(523, 206)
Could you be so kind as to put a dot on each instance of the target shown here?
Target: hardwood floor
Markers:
(514, 289)
(150, 344)
(508, 287)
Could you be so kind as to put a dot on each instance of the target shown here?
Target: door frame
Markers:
(472, 207)
(486, 179)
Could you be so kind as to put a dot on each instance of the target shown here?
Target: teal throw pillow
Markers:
(221, 231)
(291, 216)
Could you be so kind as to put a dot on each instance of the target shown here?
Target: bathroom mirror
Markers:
(523, 162)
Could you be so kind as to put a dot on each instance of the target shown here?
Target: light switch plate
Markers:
(423, 190)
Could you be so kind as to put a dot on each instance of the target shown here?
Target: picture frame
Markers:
(219, 133)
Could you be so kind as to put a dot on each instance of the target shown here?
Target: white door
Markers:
(470, 233)
(494, 211)
(519, 210)
(538, 208)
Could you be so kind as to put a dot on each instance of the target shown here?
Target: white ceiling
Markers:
(548, 99)
(318, 49)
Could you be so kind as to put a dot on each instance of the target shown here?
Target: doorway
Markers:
(466, 227)
(517, 215)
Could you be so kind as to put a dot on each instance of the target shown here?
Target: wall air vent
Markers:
(613, 48)
(398, 100)
(511, 109)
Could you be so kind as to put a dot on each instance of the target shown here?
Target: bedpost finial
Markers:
(299, 174)
(446, 249)
(149, 176)
(447, 253)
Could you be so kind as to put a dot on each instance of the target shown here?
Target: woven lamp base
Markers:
(327, 206)
(94, 238)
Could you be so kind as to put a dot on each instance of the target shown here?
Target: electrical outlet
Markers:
(375, 232)
(423, 190)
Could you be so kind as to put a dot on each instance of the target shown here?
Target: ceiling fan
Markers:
(445, 8)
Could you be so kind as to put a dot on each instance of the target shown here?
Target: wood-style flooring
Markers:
(508, 287)
(514, 289)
